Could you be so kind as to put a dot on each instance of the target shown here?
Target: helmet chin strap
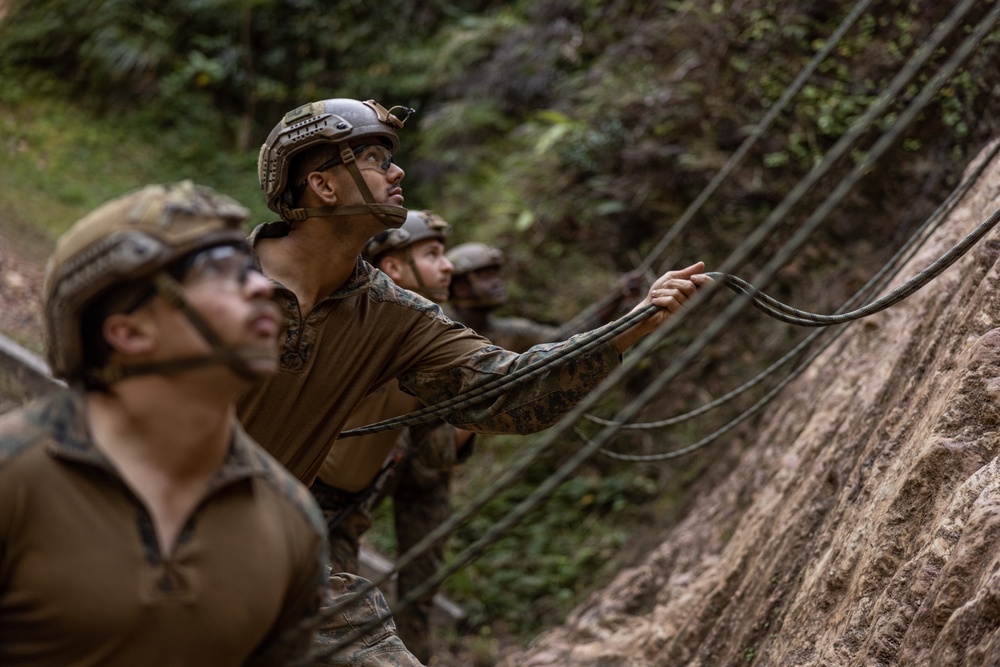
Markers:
(390, 215)
(239, 360)
(422, 288)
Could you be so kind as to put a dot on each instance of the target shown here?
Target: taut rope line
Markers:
(860, 125)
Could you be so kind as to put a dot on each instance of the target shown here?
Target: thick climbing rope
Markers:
(568, 468)
(780, 311)
(554, 480)
(765, 123)
(584, 344)
(715, 328)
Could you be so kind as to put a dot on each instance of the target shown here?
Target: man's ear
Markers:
(323, 186)
(129, 334)
(392, 266)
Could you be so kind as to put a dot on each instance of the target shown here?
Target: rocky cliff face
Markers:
(863, 526)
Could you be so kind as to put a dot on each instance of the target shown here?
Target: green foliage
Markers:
(545, 564)
(549, 558)
(62, 161)
(251, 58)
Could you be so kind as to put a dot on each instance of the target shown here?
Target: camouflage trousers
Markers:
(421, 502)
(361, 633)
(346, 522)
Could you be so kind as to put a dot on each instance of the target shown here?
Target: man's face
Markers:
(235, 302)
(435, 270)
(488, 284)
(381, 174)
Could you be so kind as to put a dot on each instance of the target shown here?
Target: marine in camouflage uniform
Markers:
(421, 493)
(134, 510)
(421, 489)
(326, 169)
(414, 257)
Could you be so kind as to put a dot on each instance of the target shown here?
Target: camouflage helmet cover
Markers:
(122, 242)
(337, 121)
(468, 257)
(419, 226)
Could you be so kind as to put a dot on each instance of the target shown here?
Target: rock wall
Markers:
(863, 526)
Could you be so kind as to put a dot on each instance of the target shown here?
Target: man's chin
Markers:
(261, 362)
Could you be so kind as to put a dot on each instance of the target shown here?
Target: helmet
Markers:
(469, 257)
(126, 242)
(346, 123)
(419, 226)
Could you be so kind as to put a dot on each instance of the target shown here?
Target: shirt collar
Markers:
(72, 440)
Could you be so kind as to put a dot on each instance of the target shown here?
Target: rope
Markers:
(653, 339)
(521, 376)
(573, 348)
(785, 313)
(874, 285)
(741, 152)
(860, 125)
(689, 213)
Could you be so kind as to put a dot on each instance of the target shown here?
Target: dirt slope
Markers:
(862, 527)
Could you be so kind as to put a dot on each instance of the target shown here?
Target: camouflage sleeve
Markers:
(436, 359)
(519, 334)
(533, 406)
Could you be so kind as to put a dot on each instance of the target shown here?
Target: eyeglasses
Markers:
(366, 155)
(219, 263)
(224, 263)
(374, 155)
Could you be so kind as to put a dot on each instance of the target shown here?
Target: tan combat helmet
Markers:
(469, 257)
(419, 226)
(121, 250)
(344, 123)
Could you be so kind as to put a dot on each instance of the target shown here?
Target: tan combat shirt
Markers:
(353, 463)
(370, 331)
(82, 579)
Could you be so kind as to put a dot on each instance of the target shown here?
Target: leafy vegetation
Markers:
(62, 160)
(570, 132)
